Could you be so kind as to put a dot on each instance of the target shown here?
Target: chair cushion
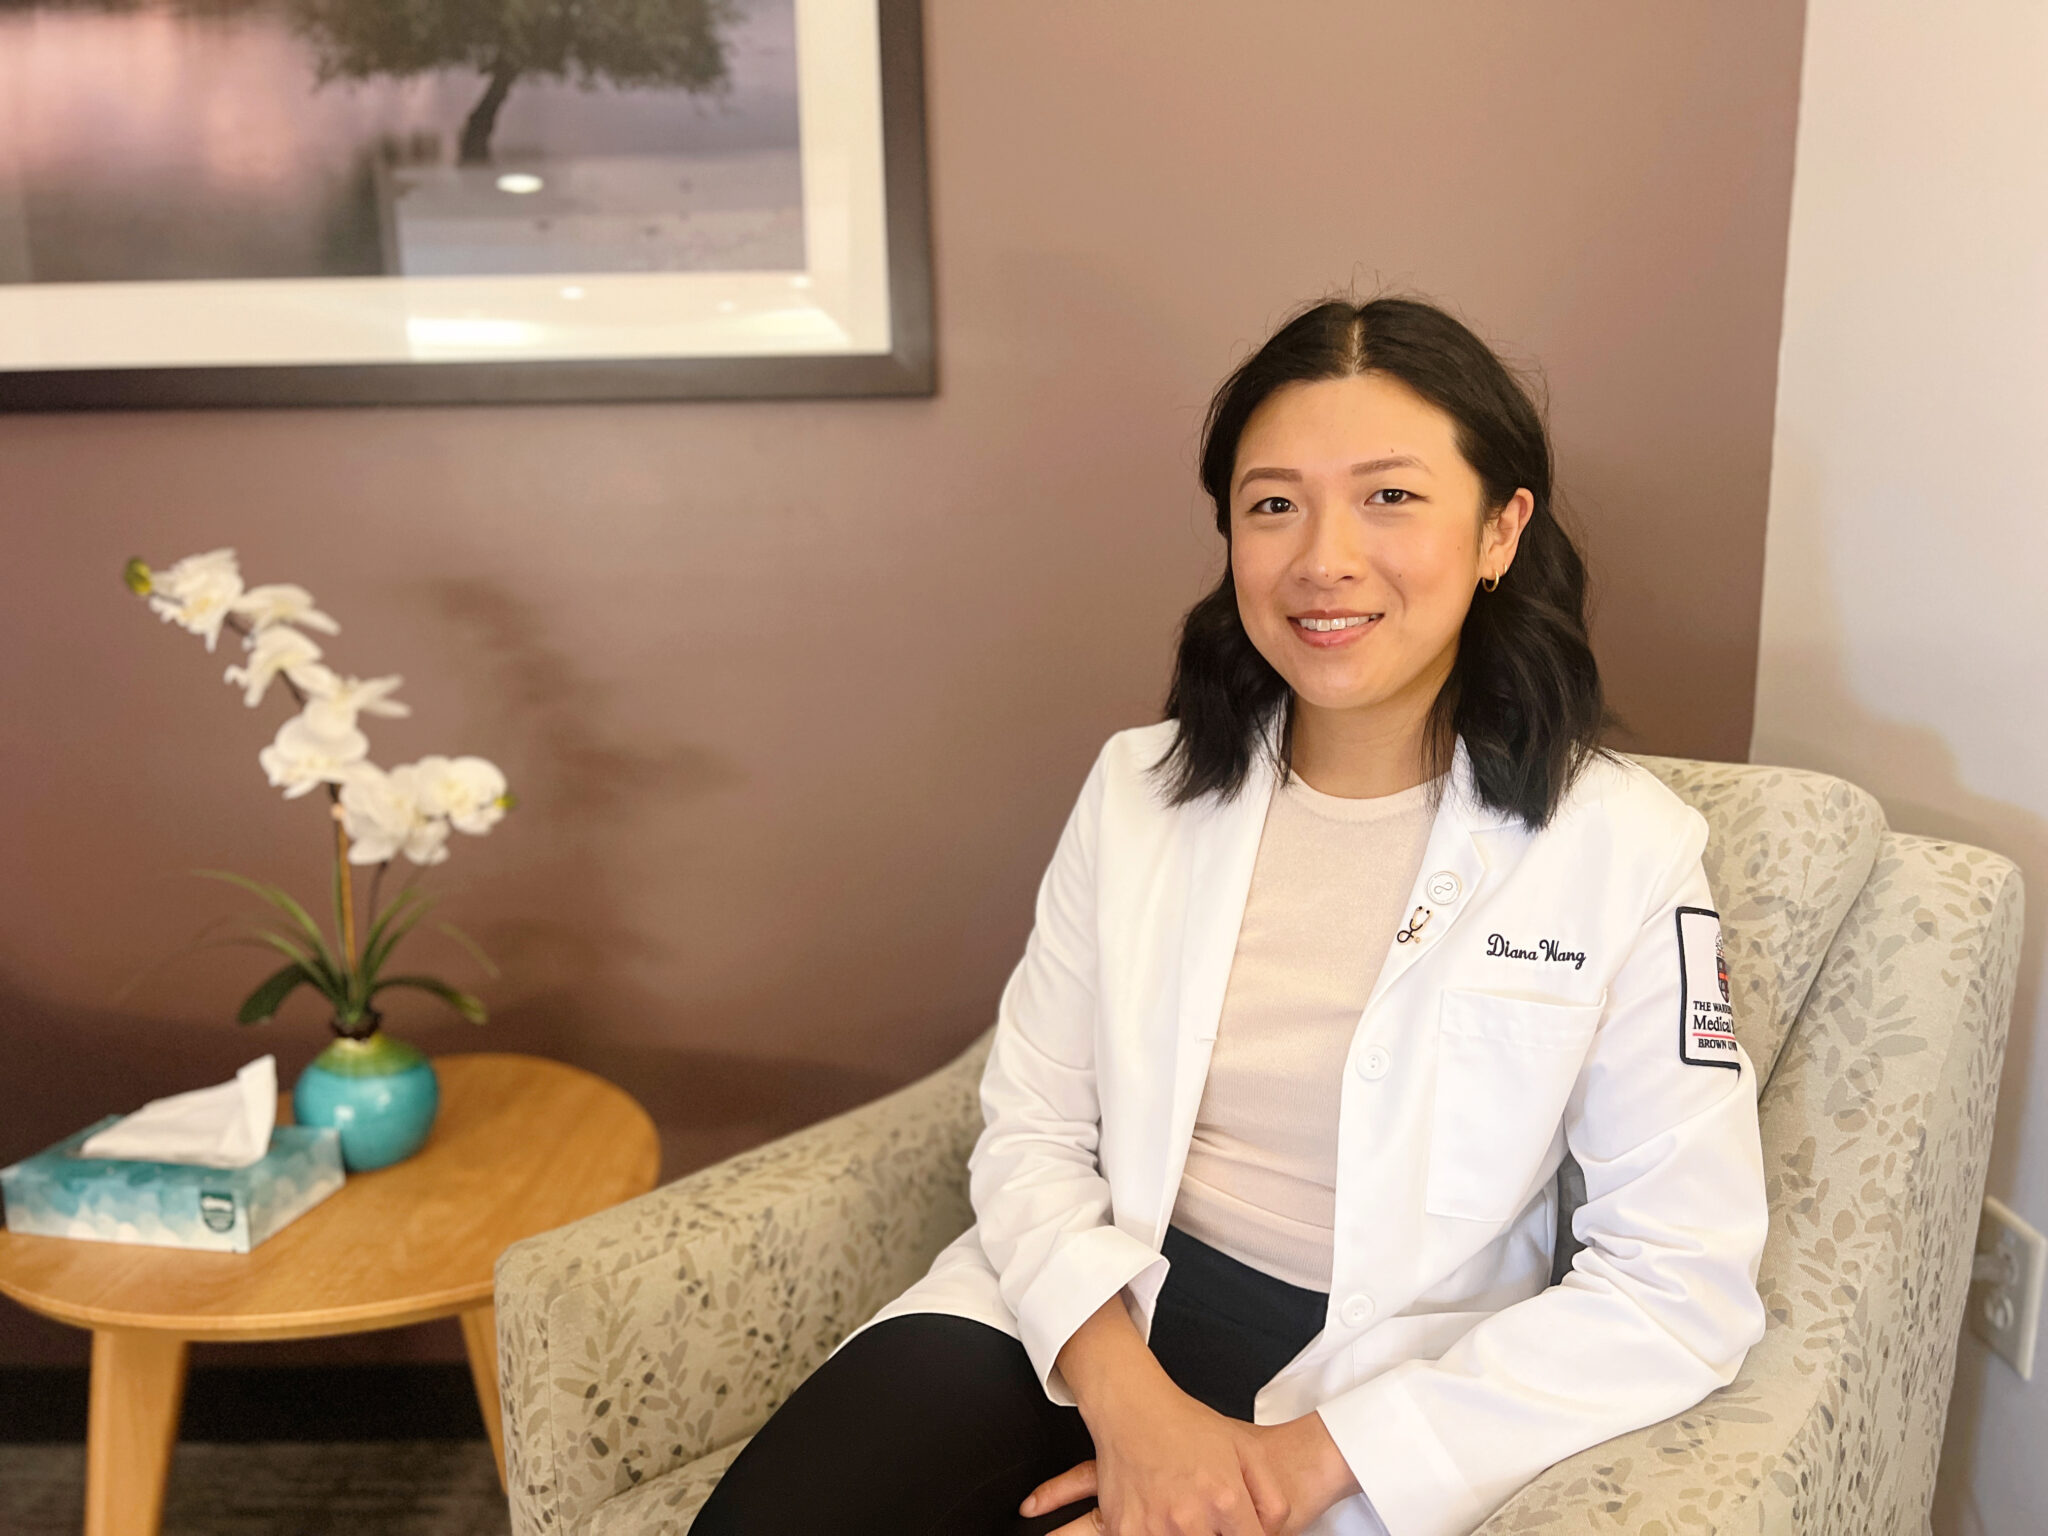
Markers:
(1787, 851)
(664, 1505)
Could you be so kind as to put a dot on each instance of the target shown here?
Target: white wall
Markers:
(1905, 608)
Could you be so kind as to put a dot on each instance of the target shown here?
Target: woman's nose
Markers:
(1335, 546)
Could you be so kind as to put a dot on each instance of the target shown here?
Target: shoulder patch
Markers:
(1706, 1021)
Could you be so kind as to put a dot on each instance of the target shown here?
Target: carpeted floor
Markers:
(387, 1488)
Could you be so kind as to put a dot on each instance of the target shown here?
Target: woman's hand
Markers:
(1167, 1465)
(1196, 1478)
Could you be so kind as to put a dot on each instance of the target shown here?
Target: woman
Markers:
(1330, 970)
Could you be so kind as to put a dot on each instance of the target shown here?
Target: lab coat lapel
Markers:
(1453, 865)
(1224, 848)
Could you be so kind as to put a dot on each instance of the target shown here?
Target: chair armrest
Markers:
(1877, 1129)
(647, 1335)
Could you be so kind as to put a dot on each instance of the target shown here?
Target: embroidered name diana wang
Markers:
(1498, 947)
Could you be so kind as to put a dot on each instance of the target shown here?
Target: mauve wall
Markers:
(798, 695)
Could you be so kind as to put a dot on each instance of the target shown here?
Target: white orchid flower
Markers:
(428, 843)
(381, 814)
(335, 701)
(469, 791)
(198, 592)
(282, 603)
(304, 755)
(271, 651)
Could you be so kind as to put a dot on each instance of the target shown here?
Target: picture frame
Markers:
(854, 319)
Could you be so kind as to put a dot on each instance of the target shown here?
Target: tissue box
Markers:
(57, 1193)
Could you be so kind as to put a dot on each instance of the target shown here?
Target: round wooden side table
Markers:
(521, 1145)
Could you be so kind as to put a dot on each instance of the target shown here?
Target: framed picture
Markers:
(334, 202)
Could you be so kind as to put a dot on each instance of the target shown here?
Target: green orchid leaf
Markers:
(383, 937)
(469, 1007)
(262, 1004)
(284, 942)
(373, 963)
(330, 985)
(283, 901)
(472, 946)
(379, 921)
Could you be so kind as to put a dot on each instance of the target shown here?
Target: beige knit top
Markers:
(1326, 897)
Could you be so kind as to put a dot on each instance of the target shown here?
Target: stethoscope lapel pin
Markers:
(1415, 922)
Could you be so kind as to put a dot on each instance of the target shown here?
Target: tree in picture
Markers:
(628, 43)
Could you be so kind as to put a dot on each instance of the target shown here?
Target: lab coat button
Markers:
(1357, 1310)
(1444, 888)
(1373, 1062)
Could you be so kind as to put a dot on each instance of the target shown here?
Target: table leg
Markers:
(480, 1337)
(138, 1386)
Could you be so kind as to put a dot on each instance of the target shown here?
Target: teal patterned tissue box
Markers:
(57, 1193)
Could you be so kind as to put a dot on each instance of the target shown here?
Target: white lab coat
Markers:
(1449, 1370)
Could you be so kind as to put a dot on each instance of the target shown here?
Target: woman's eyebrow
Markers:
(1362, 467)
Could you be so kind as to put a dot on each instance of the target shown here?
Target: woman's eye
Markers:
(1272, 504)
(1394, 496)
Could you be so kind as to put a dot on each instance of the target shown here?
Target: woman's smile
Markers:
(1326, 629)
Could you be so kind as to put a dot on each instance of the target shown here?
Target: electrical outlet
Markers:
(2005, 1288)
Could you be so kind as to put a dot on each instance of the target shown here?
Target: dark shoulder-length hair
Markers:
(1524, 691)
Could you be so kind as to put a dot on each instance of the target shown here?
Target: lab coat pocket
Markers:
(1505, 1067)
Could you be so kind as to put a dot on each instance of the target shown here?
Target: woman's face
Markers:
(1357, 535)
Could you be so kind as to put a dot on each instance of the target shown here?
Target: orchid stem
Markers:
(348, 897)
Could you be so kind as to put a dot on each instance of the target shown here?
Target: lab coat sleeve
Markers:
(1658, 1309)
(1040, 1200)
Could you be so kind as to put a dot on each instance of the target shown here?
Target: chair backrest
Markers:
(1787, 851)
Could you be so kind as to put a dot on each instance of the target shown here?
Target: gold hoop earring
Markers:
(1491, 583)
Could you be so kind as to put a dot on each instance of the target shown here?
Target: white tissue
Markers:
(225, 1126)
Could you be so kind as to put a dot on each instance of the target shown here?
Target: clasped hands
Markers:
(1168, 1465)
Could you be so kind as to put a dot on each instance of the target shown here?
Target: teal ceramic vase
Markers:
(380, 1093)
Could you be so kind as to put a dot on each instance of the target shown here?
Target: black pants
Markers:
(933, 1425)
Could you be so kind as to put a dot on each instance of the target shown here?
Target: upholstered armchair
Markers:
(643, 1346)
